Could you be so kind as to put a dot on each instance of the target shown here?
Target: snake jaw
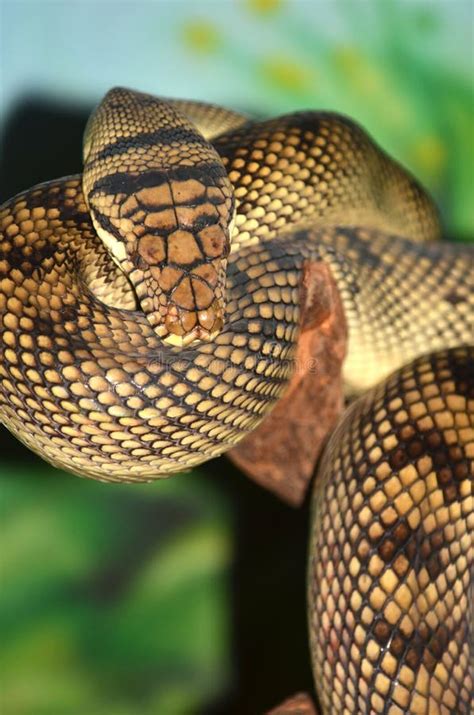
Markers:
(182, 328)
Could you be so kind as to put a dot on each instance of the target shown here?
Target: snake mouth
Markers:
(183, 327)
(197, 335)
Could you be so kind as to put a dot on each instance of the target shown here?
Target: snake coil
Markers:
(149, 312)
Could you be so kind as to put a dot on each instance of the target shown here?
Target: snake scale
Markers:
(149, 316)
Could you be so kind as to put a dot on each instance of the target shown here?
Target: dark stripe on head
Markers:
(125, 183)
(164, 135)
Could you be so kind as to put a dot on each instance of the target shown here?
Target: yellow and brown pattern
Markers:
(162, 203)
(88, 382)
(392, 547)
(319, 169)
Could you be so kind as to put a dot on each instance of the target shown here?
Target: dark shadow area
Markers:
(42, 140)
(271, 652)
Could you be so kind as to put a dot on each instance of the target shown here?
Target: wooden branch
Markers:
(281, 453)
(299, 704)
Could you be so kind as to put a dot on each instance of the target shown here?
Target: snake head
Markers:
(182, 255)
(161, 201)
(172, 239)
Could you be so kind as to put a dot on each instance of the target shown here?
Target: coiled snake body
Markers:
(149, 315)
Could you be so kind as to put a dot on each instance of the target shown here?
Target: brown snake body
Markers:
(390, 574)
(149, 316)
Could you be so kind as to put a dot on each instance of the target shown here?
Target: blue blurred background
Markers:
(187, 596)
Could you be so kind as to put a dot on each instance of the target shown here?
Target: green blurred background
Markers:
(187, 596)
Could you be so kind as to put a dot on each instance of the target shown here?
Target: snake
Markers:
(150, 312)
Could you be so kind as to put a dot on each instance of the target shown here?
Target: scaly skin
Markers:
(162, 203)
(128, 356)
(392, 547)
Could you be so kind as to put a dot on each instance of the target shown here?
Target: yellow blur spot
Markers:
(201, 36)
(366, 78)
(287, 75)
(363, 73)
(430, 154)
(264, 7)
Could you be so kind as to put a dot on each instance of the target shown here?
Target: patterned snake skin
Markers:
(149, 316)
(390, 574)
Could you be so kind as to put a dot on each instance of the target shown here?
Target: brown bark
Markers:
(299, 704)
(281, 453)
